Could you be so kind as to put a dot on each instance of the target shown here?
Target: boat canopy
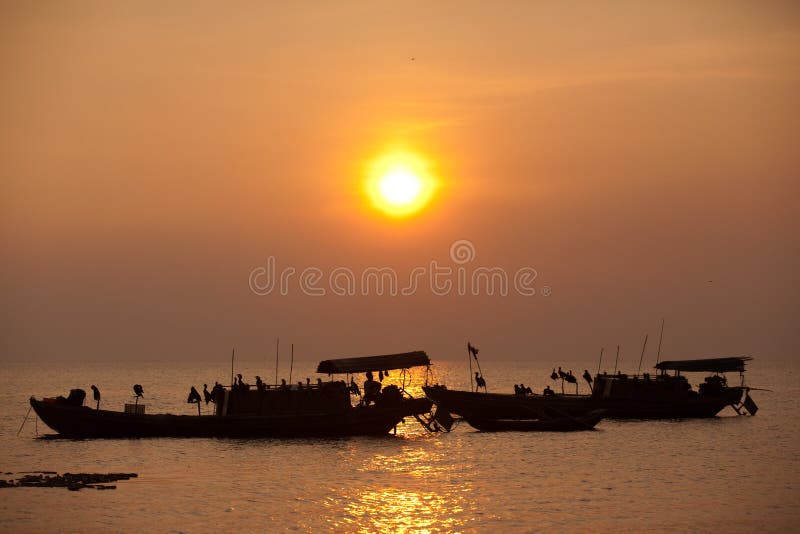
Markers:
(363, 364)
(706, 365)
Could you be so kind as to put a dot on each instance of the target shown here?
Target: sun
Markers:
(400, 183)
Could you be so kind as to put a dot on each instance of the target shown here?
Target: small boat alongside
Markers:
(324, 409)
(499, 411)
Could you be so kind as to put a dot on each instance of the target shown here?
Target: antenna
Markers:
(469, 359)
(233, 354)
(658, 356)
(616, 360)
(601, 360)
(291, 365)
(277, 349)
(642, 356)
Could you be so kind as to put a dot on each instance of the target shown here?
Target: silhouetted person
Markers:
(372, 389)
(479, 382)
(139, 390)
(260, 386)
(96, 393)
(516, 390)
(319, 382)
(242, 385)
(548, 392)
(354, 387)
(308, 383)
(206, 395)
(526, 390)
(217, 392)
(380, 376)
(283, 383)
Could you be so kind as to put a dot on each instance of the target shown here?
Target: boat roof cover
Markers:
(374, 363)
(706, 365)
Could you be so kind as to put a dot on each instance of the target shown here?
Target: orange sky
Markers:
(153, 155)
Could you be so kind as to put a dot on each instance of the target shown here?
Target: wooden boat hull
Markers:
(558, 424)
(84, 422)
(491, 406)
(488, 406)
(696, 408)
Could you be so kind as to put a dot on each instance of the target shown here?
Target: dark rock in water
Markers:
(71, 481)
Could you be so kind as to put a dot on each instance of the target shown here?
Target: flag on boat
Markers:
(472, 350)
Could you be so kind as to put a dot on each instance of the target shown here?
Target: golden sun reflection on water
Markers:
(401, 500)
(402, 510)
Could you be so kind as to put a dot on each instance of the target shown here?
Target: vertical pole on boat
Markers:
(277, 349)
(233, 354)
(642, 356)
(601, 360)
(469, 357)
(616, 360)
(660, 337)
(291, 365)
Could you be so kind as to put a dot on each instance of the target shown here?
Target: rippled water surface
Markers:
(728, 473)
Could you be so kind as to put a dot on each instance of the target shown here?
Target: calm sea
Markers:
(734, 474)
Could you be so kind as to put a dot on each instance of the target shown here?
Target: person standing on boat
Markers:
(372, 389)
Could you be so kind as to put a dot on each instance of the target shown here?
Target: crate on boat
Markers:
(137, 409)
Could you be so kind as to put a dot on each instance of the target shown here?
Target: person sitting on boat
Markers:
(217, 392)
(517, 390)
(207, 395)
(372, 388)
(242, 384)
(260, 384)
(527, 390)
(319, 382)
(354, 388)
(548, 392)
(283, 384)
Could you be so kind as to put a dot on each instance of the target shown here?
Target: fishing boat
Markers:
(499, 411)
(665, 396)
(324, 409)
(620, 396)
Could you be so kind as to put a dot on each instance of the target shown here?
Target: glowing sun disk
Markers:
(399, 183)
